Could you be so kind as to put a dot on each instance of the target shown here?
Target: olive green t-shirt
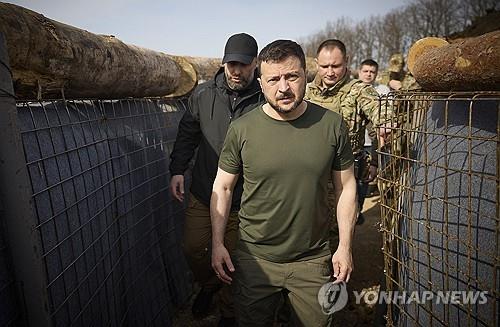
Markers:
(285, 165)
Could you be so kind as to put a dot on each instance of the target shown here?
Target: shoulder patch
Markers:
(371, 91)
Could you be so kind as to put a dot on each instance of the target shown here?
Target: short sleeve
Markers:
(343, 152)
(230, 156)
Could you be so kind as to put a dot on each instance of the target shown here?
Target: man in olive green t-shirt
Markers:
(285, 151)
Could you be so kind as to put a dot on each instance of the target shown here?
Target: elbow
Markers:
(221, 189)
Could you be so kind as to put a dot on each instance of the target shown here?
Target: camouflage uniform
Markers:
(357, 102)
(409, 83)
(396, 71)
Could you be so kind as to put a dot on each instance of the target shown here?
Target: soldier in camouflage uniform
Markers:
(399, 79)
(356, 101)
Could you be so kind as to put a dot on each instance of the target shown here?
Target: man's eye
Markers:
(293, 78)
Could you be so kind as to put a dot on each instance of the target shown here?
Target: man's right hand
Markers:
(177, 187)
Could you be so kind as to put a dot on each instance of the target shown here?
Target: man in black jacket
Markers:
(213, 105)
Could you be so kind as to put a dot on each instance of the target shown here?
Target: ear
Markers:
(260, 82)
(347, 59)
(316, 62)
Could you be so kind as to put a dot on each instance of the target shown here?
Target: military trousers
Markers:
(197, 249)
(259, 286)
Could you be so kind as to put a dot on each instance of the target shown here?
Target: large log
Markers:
(205, 67)
(422, 46)
(50, 59)
(468, 65)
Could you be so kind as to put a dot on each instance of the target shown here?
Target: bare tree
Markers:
(364, 42)
(381, 36)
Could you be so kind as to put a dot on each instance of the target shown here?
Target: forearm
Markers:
(346, 212)
(220, 205)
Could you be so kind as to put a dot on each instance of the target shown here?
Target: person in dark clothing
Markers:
(212, 107)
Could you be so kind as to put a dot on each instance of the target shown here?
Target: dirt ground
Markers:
(368, 275)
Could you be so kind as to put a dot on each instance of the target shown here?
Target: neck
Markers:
(294, 114)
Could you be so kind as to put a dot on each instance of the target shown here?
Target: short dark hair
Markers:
(279, 50)
(369, 62)
(332, 44)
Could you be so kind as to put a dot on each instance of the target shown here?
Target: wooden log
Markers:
(50, 59)
(205, 67)
(187, 80)
(468, 65)
(422, 46)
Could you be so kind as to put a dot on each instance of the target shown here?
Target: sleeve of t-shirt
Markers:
(343, 153)
(230, 156)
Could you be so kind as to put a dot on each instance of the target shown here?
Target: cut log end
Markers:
(422, 46)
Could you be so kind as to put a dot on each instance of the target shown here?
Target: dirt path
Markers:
(368, 268)
(368, 275)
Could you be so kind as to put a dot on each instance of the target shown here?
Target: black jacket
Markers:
(211, 108)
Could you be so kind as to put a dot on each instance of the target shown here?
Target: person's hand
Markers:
(221, 258)
(342, 264)
(372, 173)
(384, 133)
(177, 187)
(395, 84)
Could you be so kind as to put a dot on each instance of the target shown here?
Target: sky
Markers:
(201, 28)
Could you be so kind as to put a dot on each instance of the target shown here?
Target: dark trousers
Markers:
(197, 249)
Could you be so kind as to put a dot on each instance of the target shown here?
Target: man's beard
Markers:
(296, 103)
(237, 86)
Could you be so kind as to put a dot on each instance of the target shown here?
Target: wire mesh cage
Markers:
(109, 232)
(439, 186)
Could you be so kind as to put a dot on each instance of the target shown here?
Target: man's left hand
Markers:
(342, 264)
(221, 259)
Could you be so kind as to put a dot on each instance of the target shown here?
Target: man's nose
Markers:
(237, 69)
(283, 85)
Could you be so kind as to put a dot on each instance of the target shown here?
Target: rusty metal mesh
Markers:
(439, 186)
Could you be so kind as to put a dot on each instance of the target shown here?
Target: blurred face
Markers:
(239, 75)
(367, 74)
(332, 66)
(283, 84)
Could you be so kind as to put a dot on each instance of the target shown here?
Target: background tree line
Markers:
(378, 37)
